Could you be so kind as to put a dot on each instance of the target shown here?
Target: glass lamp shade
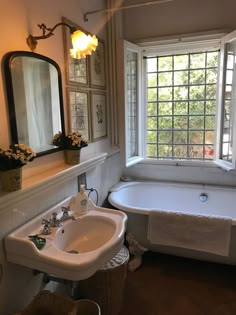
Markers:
(83, 44)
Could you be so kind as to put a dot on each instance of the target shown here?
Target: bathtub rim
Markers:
(122, 185)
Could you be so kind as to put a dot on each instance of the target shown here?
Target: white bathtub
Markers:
(137, 199)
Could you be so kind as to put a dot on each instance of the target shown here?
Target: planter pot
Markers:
(11, 179)
(72, 157)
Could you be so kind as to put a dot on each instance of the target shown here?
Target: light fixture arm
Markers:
(130, 6)
(32, 41)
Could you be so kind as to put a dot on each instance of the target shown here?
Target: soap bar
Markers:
(38, 241)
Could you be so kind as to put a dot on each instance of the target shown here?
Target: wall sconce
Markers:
(83, 44)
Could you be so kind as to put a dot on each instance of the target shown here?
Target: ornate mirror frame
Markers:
(13, 102)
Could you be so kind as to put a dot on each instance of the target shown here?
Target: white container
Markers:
(81, 201)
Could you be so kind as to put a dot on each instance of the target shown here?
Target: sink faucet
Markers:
(54, 221)
(46, 227)
(65, 215)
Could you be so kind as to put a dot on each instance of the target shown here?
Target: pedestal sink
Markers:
(73, 251)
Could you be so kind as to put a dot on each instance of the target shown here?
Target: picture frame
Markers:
(97, 67)
(99, 115)
(77, 70)
(79, 111)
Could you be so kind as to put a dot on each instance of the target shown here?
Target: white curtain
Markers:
(37, 83)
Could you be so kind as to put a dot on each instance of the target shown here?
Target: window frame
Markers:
(127, 161)
(183, 45)
(226, 165)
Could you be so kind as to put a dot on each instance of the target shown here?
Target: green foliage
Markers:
(181, 118)
(181, 122)
(151, 65)
(165, 63)
(152, 79)
(164, 79)
(180, 108)
(181, 78)
(152, 123)
(165, 94)
(180, 137)
(165, 108)
(197, 60)
(152, 150)
(152, 109)
(152, 95)
(165, 136)
(181, 62)
(151, 137)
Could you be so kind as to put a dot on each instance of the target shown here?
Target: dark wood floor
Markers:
(167, 285)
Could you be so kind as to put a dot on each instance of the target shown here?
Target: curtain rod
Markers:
(124, 7)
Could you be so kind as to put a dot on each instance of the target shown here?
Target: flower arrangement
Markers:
(16, 156)
(73, 141)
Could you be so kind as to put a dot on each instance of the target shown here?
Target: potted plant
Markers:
(71, 144)
(11, 162)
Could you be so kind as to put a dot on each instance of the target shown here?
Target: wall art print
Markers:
(97, 67)
(78, 101)
(99, 115)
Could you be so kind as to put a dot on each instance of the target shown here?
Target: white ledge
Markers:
(45, 180)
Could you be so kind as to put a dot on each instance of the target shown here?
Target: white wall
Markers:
(18, 18)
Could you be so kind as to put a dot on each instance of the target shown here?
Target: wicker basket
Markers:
(47, 303)
(107, 285)
(87, 307)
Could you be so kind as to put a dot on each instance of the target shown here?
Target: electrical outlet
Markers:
(82, 180)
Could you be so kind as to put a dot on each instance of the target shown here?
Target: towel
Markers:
(209, 234)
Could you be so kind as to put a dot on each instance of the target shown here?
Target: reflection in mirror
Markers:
(34, 92)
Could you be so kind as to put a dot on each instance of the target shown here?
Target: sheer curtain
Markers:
(37, 83)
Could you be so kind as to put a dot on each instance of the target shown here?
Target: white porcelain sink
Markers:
(84, 235)
(73, 251)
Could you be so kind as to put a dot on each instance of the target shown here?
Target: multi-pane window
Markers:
(131, 89)
(227, 134)
(181, 105)
(179, 101)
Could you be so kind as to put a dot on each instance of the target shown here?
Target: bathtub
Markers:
(137, 198)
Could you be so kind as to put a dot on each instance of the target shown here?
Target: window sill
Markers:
(209, 164)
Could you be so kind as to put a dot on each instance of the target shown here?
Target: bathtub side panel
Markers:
(138, 225)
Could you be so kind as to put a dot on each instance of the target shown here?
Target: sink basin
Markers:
(85, 235)
(73, 251)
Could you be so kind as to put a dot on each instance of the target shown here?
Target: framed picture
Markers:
(78, 102)
(97, 67)
(77, 72)
(99, 115)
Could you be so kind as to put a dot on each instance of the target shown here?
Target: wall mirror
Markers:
(35, 103)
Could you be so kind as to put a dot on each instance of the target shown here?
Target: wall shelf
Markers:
(46, 180)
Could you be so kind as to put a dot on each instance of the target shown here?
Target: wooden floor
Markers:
(167, 285)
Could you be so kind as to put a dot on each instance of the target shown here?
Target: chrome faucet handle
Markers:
(46, 227)
(45, 221)
(65, 211)
(54, 222)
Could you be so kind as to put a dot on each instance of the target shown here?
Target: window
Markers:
(180, 101)
(228, 102)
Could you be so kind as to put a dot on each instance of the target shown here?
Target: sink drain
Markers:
(72, 251)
